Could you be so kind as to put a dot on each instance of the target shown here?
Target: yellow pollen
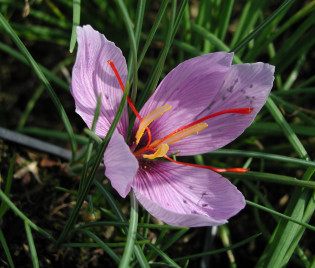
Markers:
(149, 119)
(182, 134)
(160, 152)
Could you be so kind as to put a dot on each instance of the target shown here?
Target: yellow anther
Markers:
(160, 152)
(149, 119)
(182, 134)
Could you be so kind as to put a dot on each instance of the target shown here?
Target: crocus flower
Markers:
(201, 105)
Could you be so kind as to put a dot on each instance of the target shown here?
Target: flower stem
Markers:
(132, 232)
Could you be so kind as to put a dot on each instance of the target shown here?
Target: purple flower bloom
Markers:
(201, 105)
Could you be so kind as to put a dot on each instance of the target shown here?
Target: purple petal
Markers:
(188, 89)
(92, 75)
(186, 196)
(244, 86)
(120, 164)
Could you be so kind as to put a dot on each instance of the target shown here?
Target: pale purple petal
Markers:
(244, 86)
(188, 88)
(91, 75)
(120, 164)
(186, 196)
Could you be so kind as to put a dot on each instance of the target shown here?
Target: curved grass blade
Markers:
(45, 71)
(7, 189)
(31, 245)
(6, 249)
(260, 155)
(213, 252)
(44, 80)
(278, 214)
(133, 48)
(262, 26)
(20, 214)
(152, 32)
(102, 245)
(132, 232)
(75, 23)
(272, 178)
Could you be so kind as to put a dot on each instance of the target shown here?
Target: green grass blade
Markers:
(31, 245)
(45, 71)
(112, 202)
(30, 105)
(280, 215)
(152, 32)
(125, 223)
(6, 249)
(75, 23)
(20, 214)
(158, 67)
(287, 234)
(293, 108)
(7, 190)
(271, 178)
(83, 182)
(132, 232)
(262, 26)
(213, 252)
(287, 130)
(225, 17)
(260, 155)
(102, 245)
(133, 48)
(43, 79)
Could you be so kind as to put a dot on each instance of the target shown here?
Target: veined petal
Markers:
(91, 76)
(186, 196)
(120, 164)
(244, 86)
(188, 88)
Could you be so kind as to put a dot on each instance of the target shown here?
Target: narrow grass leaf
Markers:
(45, 71)
(132, 232)
(20, 214)
(287, 130)
(43, 79)
(262, 26)
(6, 249)
(158, 67)
(213, 252)
(261, 155)
(7, 189)
(271, 178)
(102, 245)
(278, 214)
(75, 22)
(31, 244)
(126, 224)
(133, 48)
(152, 32)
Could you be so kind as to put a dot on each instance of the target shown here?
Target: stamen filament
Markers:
(182, 134)
(219, 170)
(149, 119)
(228, 111)
(160, 152)
(133, 108)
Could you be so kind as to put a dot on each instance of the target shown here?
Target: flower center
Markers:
(161, 147)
